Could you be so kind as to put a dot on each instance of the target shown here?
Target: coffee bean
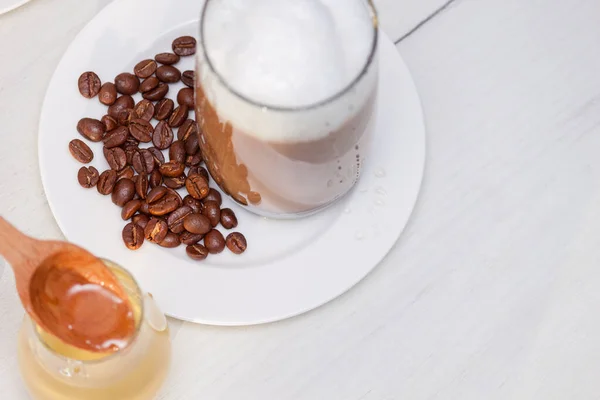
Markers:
(127, 83)
(125, 116)
(158, 93)
(122, 103)
(133, 236)
(177, 152)
(130, 150)
(188, 128)
(170, 241)
(167, 58)
(144, 110)
(116, 137)
(106, 182)
(212, 211)
(130, 208)
(141, 186)
(214, 241)
(196, 252)
(91, 129)
(172, 169)
(126, 172)
(168, 74)
(236, 242)
(195, 205)
(177, 196)
(145, 68)
(187, 77)
(116, 158)
(156, 179)
(197, 186)
(191, 145)
(199, 171)
(88, 177)
(109, 122)
(156, 230)
(184, 46)
(195, 160)
(108, 94)
(149, 84)
(145, 208)
(228, 218)
(165, 205)
(138, 162)
(123, 192)
(141, 129)
(197, 223)
(175, 220)
(179, 116)
(175, 182)
(213, 195)
(89, 84)
(163, 136)
(189, 238)
(156, 194)
(186, 97)
(82, 152)
(164, 108)
(141, 219)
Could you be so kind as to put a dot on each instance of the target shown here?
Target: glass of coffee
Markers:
(285, 99)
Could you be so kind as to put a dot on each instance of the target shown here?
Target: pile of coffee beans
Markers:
(140, 179)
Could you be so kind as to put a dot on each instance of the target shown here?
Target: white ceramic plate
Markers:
(9, 5)
(290, 267)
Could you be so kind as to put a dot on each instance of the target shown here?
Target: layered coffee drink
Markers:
(285, 98)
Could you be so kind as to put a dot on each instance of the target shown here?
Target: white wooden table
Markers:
(492, 292)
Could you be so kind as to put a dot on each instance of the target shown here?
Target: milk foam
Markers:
(287, 53)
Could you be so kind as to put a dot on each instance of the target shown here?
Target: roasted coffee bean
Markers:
(133, 236)
(186, 97)
(158, 93)
(81, 151)
(116, 158)
(165, 205)
(191, 145)
(195, 160)
(141, 129)
(144, 110)
(213, 195)
(116, 137)
(199, 171)
(188, 128)
(156, 194)
(149, 84)
(130, 150)
(163, 136)
(236, 242)
(130, 208)
(189, 238)
(178, 116)
(167, 58)
(125, 116)
(172, 169)
(158, 156)
(168, 74)
(122, 103)
(156, 179)
(145, 208)
(174, 192)
(91, 129)
(143, 162)
(176, 182)
(195, 205)
(214, 241)
(197, 223)
(156, 230)
(187, 77)
(109, 122)
(88, 177)
(108, 94)
(106, 182)
(145, 68)
(212, 211)
(141, 186)
(127, 83)
(228, 218)
(175, 220)
(184, 46)
(163, 109)
(89, 84)
(141, 219)
(196, 251)
(197, 186)
(171, 241)
(126, 172)
(177, 152)
(123, 192)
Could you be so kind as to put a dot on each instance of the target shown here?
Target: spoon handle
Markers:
(17, 248)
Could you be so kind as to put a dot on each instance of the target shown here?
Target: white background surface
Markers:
(492, 291)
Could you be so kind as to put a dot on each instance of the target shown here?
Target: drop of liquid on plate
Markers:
(359, 235)
(379, 172)
(380, 190)
(329, 183)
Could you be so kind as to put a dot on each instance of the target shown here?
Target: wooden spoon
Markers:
(68, 292)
